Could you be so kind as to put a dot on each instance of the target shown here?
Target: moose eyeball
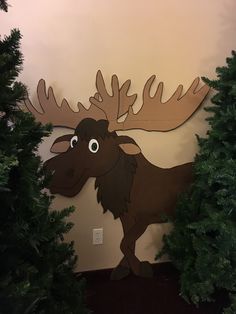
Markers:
(73, 141)
(93, 146)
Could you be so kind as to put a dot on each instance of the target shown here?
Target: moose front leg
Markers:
(123, 268)
(143, 269)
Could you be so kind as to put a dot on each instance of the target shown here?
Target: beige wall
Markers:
(67, 41)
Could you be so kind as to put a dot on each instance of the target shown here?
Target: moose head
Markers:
(127, 184)
(91, 151)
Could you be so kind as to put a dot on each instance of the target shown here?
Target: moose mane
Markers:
(114, 187)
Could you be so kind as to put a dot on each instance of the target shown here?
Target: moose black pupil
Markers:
(74, 142)
(94, 146)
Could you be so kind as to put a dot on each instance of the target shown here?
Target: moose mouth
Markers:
(69, 190)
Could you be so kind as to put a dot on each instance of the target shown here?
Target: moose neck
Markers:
(115, 186)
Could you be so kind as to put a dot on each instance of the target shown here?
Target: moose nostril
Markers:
(70, 172)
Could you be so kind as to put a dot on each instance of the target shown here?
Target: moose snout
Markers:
(70, 172)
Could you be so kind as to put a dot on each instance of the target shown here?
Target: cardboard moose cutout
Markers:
(128, 185)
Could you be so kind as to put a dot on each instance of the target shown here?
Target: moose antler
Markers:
(115, 105)
(154, 115)
(158, 116)
(62, 115)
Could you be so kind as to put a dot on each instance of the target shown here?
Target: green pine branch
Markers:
(4, 5)
(202, 244)
(37, 266)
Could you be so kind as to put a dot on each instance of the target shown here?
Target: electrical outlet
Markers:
(98, 236)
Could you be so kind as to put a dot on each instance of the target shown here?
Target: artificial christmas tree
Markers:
(202, 244)
(36, 267)
(3, 5)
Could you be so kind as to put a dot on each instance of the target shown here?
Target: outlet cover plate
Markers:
(98, 236)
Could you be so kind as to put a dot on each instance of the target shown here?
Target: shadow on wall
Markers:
(226, 39)
(197, 125)
(150, 243)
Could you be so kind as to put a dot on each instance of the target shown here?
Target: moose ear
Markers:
(61, 144)
(130, 148)
(128, 145)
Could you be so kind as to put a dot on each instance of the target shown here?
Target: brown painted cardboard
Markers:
(128, 185)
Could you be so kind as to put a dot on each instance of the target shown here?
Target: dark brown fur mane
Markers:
(115, 186)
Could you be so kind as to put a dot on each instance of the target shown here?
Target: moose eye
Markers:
(73, 141)
(93, 146)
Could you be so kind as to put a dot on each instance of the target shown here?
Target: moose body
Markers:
(127, 184)
(156, 190)
(134, 190)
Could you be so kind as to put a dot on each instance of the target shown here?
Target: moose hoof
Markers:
(120, 272)
(146, 270)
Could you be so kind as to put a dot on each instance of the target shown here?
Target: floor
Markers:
(134, 295)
